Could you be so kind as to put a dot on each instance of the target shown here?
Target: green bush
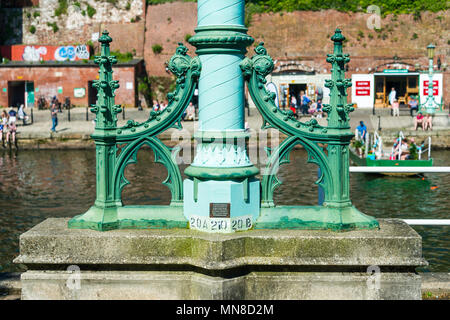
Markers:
(54, 26)
(122, 57)
(32, 29)
(157, 48)
(62, 8)
(128, 6)
(90, 11)
(187, 37)
(36, 14)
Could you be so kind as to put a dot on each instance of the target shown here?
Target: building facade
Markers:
(25, 82)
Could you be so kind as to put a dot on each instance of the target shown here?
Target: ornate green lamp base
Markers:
(130, 217)
(314, 218)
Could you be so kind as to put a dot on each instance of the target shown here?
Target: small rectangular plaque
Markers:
(219, 210)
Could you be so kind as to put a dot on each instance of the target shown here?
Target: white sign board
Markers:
(363, 87)
(437, 87)
(79, 92)
(129, 86)
(95, 36)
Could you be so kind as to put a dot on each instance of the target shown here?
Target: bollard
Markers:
(32, 119)
(87, 114)
(123, 113)
(68, 113)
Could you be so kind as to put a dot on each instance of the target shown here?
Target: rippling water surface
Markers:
(35, 185)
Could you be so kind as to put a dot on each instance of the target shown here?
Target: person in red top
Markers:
(418, 120)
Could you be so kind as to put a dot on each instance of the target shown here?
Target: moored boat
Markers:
(375, 156)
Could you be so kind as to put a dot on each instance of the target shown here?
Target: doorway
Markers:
(405, 86)
(294, 90)
(92, 94)
(16, 93)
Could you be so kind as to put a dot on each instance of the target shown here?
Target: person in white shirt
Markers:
(392, 96)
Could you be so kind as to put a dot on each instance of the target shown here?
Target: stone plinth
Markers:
(187, 264)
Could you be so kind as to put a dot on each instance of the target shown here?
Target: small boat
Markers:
(376, 156)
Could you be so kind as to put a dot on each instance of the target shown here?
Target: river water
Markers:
(35, 185)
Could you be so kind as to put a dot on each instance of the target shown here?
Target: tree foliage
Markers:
(386, 6)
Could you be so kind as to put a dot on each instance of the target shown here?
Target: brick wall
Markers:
(166, 25)
(48, 79)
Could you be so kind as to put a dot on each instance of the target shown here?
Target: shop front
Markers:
(292, 77)
(372, 90)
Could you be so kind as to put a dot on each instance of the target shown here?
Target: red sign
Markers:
(435, 87)
(362, 88)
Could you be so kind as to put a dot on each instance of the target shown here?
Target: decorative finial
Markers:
(338, 36)
(105, 38)
(105, 107)
(338, 109)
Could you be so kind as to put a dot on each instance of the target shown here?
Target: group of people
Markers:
(8, 126)
(402, 150)
(305, 106)
(426, 122)
(189, 113)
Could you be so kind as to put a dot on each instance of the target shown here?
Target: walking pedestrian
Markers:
(2, 128)
(54, 114)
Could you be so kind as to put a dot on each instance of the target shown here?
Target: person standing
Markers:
(54, 114)
(362, 130)
(319, 108)
(392, 96)
(395, 108)
(2, 128)
(304, 103)
(293, 105)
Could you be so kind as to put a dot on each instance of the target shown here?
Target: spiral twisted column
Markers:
(221, 167)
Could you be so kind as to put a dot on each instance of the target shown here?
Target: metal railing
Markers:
(394, 169)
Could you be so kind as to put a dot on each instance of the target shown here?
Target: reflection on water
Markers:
(35, 185)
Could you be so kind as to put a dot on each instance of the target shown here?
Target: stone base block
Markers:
(68, 263)
(154, 285)
(221, 206)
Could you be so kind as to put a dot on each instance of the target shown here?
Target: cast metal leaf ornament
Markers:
(310, 133)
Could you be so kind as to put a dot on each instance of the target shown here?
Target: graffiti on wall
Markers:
(71, 53)
(45, 53)
(31, 53)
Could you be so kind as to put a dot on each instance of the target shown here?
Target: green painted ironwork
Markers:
(117, 147)
(328, 147)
